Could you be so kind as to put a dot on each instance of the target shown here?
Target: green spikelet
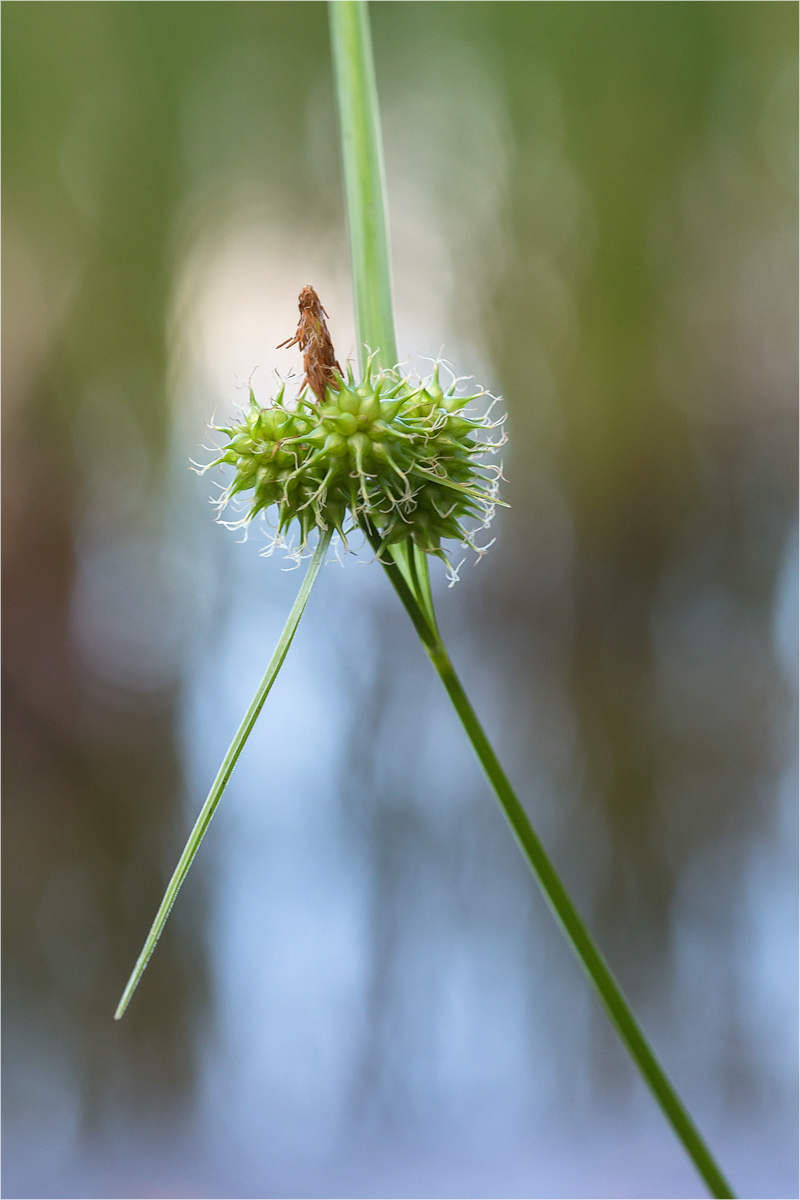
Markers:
(395, 452)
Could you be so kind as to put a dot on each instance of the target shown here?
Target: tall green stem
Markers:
(557, 896)
(364, 187)
(407, 567)
(226, 770)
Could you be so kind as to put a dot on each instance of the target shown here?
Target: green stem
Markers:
(578, 936)
(407, 567)
(364, 186)
(223, 775)
(557, 896)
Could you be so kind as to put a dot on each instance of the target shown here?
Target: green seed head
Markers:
(393, 453)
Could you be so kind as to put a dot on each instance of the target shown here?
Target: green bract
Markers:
(393, 453)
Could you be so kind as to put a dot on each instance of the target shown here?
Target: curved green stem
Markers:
(223, 775)
(578, 936)
(556, 895)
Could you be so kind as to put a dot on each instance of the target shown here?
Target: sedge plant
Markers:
(402, 462)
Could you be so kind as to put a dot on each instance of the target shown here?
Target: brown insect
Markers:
(313, 338)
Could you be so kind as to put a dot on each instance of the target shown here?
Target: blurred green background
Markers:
(593, 208)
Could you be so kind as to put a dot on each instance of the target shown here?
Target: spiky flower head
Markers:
(393, 453)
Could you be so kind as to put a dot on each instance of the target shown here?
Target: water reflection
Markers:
(361, 991)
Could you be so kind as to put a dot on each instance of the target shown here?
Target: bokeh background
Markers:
(360, 991)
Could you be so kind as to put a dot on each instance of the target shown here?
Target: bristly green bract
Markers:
(391, 452)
